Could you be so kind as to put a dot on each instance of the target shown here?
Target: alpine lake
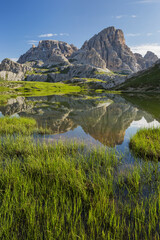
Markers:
(98, 119)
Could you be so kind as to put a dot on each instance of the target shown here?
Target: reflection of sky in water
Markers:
(79, 134)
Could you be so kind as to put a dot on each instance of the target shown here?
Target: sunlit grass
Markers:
(26, 126)
(146, 143)
(68, 191)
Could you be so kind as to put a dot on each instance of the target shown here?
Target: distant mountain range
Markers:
(105, 56)
(106, 49)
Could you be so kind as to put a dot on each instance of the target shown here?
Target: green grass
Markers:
(25, 126)
(104, 73)
(43, 89)
(146, 143)
(66, 191)
(11, 89)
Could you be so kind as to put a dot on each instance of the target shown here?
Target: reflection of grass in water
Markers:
(13, 89)
(39, 89)
(66, 191)
(146, 143)
(147, 102)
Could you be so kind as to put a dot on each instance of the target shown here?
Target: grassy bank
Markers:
(10, 89)
(146, 143)
(25, 126)
(66, 191)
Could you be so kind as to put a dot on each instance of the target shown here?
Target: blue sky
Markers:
(74, 21)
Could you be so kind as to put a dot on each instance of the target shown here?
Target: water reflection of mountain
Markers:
(105, 118)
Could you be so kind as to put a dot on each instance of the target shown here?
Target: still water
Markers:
(105, 119)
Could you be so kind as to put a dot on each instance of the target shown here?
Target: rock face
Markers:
(13, 71)
(49, 51)
(150, 59)
(14, 67)
(110, 44)
(90, 57)
(147, 61)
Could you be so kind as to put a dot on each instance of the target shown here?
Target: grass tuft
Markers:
(146, 143)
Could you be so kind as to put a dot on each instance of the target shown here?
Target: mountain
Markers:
(147, 61)
(104, 57)
(49, 51)
(105, 50)
(145, 81)
(111, 47)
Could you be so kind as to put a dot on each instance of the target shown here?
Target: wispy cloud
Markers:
(32, 42)
(146, 1)
(64, 34)
(133, 34)
(47, 35)
(126, 16)
(120, 16)
(142, 49)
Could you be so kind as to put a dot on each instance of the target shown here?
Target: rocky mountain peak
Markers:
(150, 56)
(110, 44)
(47, 50)
(147, 61)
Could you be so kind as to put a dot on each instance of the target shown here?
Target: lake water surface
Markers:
(105, 119)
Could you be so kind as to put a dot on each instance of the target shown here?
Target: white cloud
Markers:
(142, 49)
(123, 16)
(133, 34)
(47, 35)
(64, 34)
(32, 42)
(120, 16)
(14, 59)
(149, 34)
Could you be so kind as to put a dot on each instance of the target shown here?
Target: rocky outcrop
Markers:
(147, 61)
(13, 71)
(14, 67)
(90, 57)
(150, 59)
(110, 44)
(10, 76)
(50, 52)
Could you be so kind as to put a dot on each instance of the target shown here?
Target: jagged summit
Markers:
(49, 51)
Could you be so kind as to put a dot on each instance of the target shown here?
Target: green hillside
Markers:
(145, 81)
